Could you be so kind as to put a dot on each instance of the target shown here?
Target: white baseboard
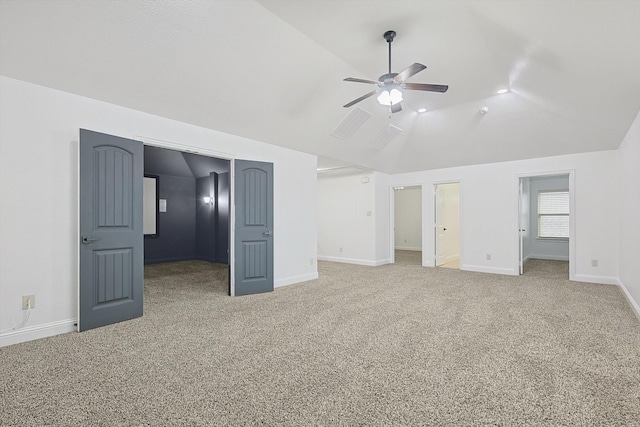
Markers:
(603, 280)
(295, 279)
(634, 305)
(355, 261)
(38, 331)
(492, 270)
(408, 248)
(548, 257)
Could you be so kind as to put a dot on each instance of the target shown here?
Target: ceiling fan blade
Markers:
(362, 98)
(427, 87)
(396, 107)
(409, 71)
(353, 79)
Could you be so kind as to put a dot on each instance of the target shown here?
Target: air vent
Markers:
(351, 123)
(384, 137)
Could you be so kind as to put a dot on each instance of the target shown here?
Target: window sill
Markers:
(553, 239)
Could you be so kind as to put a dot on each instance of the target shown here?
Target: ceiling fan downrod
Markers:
(389, 36)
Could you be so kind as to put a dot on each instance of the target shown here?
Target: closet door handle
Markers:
(86, 240)
(268, 233)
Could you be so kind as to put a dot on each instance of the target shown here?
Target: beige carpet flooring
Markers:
(361, 346)
(408, 257)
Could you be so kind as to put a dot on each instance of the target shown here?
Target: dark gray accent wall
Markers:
(222, 240)
(206, 219)
(176, 239)
(190, 229)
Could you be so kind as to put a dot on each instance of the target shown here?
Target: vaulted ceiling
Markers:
(273, 70)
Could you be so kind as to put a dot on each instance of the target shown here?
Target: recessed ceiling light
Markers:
(501, 91)
(422, 110)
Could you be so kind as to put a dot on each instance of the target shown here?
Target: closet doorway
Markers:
(407, 225)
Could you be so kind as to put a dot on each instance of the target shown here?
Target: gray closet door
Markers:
(111, 236)
(253, 227)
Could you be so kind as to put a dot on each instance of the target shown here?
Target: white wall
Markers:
(545, 248)
(346, 219)
(38, 203)
(408, 218)
(489, 211)
(628, 167)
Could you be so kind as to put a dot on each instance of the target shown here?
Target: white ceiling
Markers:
(272, 70)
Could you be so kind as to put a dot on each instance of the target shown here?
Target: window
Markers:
(553, 214)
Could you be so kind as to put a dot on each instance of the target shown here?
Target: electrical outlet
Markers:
(28, 301)
(310, 261)
(488, 257)
(340, 248)
(594, 263)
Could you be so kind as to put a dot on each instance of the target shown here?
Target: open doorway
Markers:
(111, 224)
(407, 239)
(447, 225)
(191, 213)
(545, 225)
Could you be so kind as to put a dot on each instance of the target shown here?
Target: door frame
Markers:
(572, 216)
(232, 211)
(434, 195)
(392, 219)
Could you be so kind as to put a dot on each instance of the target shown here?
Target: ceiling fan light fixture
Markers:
(390, 97)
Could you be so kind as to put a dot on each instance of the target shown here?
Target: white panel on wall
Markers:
(149, 206)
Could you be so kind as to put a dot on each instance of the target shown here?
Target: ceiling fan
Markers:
(390, 85)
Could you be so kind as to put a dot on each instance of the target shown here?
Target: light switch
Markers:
(162, 205)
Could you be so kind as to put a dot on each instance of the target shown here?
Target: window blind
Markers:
(553, 214)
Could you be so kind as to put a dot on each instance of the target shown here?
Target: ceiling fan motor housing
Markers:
(387, 78)
(389, 36)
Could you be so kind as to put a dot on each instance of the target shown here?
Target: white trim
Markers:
(491, 270)
(355, 261)
(232, 229)
(634, 305)
(602, 280)
(38, 331)
(77, 236)
(548, 257)
(408, 248)
(392, 224)
(183, 147)
(295, 279)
